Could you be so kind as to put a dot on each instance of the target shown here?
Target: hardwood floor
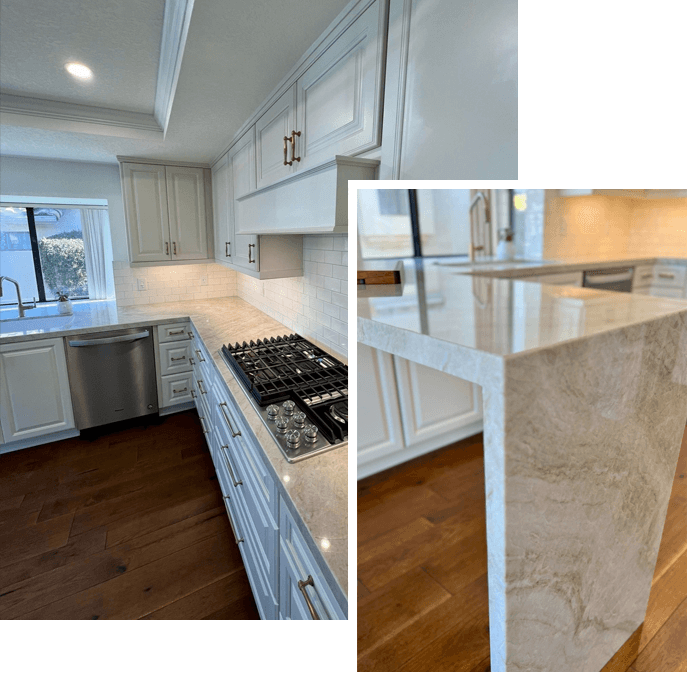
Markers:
(422, 574)
(130, 525)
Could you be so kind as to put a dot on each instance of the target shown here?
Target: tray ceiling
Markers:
(236, 52)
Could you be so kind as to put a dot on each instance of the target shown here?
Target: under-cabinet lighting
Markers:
(325, 544)
(79, 70)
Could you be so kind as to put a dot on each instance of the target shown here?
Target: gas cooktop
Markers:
(300, 392)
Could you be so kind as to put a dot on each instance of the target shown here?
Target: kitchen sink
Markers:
(31, 315)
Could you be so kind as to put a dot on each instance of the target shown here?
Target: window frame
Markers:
(36, 257)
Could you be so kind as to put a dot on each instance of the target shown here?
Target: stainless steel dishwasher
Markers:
(615, 279)
(112, 376)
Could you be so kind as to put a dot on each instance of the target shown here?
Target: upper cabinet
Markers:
(274, 141)
(166, 211)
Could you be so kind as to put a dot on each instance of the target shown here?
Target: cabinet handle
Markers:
(190, 335)
(193, 393)
(250, 247)
(662, 275)
(174, 246)
(202, 420)
(285, 151)
(227, 243)
(646, 276)
(178, 359)
(235, 431)
(303, 588)
(166, 248)
(235, 482)
(176, 333)
(182, 390)
(192, 361)
(234, 532)
(200, 356)
(200, 387)
(294, 158)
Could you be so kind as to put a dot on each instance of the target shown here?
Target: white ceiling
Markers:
(119, 41)
(236, 52)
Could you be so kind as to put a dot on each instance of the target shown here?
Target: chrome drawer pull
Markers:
(192, 361)
(200, 356)
(202, 419)
(229, 467)
(183, 390)
(178, 359)
(193, 393)
(176, 333)
(234, 532)
(190, 335)
(303, 588)
(200, 387)
(235, 430)
(662, 275)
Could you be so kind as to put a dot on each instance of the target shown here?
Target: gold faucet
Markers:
(473, 248)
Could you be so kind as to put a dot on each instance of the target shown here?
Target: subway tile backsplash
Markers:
(172, 283)
(314, 305)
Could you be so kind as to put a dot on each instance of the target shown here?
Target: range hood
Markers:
(311, 202)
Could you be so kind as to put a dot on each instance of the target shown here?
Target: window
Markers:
(402, 223)
(45, 249)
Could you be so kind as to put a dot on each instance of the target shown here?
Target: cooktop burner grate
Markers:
(273, 368)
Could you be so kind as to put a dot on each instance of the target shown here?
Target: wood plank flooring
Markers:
(130, 525)
(422, 573)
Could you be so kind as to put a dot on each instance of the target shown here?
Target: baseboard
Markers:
(36, 441)
(626, 655)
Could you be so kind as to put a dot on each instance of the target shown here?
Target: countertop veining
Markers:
(318, 487)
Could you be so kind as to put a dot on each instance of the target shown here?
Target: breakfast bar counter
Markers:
(584, 396)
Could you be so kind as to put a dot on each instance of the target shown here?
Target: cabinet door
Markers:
(434, 404)
(145, 196)
(222, 204)
(339, 96)
(242, 181)
(34, 389)
(278, 122)
(187, 218)
(379, 431)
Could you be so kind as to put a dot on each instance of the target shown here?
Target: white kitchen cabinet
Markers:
(664, 281)
(34, 389)
(380, 433)
(176, 389)
(166, 212)
(339, 96)
(406, 409)
(173, 363)
(273, 151)
(450, 95)
(436, 405)
(222, 205)
(242, 180)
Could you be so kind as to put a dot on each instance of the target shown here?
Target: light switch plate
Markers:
(142, 285)
(204, 280)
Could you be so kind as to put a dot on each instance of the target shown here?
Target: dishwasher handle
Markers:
(110, 339)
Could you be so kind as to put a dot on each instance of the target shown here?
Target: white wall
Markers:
(22, 176)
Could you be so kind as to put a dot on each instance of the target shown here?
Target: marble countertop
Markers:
(317, 487)
(471, 320)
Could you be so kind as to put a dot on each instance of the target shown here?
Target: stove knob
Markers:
(289, 406)
(272, 411)
(293, 439)
(282, 424)
(299, 419)
(310, 433)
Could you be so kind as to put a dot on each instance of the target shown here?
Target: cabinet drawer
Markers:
(669, 276)
(176, 389)
(172, 332)
(174, 357)
(643, 275)
(667, 292)
(297, 563)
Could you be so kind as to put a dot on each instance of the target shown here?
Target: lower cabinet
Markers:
(254, 503)
(663, 281)
(34, 389)
(407, 409)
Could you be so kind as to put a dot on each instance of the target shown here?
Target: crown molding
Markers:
(54, 115)
(161, 162)
(35, 112)
(177, 18)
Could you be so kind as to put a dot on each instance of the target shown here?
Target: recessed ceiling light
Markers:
(78, 70)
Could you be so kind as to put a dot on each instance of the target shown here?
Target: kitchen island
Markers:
(315, 490)
(584, 407)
